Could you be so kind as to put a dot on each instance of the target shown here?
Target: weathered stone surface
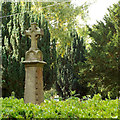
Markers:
(29, 94)
(34, 85)
(33, 55)
(34, 33)
(34, 69)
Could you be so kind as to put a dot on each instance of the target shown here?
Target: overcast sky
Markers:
(97, 10)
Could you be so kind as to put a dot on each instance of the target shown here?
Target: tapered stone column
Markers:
(34, 68)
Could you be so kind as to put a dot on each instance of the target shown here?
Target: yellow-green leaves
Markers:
(61, 17)
(70, 108)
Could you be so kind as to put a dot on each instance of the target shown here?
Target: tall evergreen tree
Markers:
(15, 44)
(103, 58)
(78, 56)
(53, 61)
(44, 45)
(68, 69)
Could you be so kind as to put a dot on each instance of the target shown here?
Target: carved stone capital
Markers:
(32, 55)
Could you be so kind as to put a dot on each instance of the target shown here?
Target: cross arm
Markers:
(27, 32)
(39, 32)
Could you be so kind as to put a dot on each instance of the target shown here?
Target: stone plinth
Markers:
(34, 77)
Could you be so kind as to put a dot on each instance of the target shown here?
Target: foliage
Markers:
(50, 94)
(101, 67)
(15, 44)
(13, 70)
(62, 20)
(70, 108)
(68, 68)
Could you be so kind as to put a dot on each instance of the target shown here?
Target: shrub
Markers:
(70, 108)
(50, 94)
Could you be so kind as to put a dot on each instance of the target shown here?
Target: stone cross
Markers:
(34, 32)
(34, 68)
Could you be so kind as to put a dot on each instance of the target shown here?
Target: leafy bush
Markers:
(70, 108)
(50, 94)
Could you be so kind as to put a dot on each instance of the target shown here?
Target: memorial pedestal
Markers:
(33, 69)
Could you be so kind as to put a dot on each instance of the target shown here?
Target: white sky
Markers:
(97, 10)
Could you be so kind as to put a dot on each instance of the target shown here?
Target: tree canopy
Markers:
(103, 58)
(62, 20)
(70, 64)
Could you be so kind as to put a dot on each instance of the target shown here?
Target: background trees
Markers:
(70, 64)
(61, 21)
(103, 58)
(15, 44)
(68, 69)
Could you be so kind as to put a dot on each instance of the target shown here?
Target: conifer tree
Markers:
(68, 69)
(53, 66)
(103, 58)
(15, 44)
(44, 46)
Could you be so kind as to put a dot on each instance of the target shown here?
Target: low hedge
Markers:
(70, 108)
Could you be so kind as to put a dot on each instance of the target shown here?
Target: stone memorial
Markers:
(34, 68)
